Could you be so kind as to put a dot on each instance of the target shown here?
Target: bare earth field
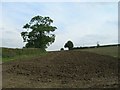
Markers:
(65, 69)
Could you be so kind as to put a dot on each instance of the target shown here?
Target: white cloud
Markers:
(83, 23)
(1, 24)
(97, 25)
(59, 0)
(11, 36)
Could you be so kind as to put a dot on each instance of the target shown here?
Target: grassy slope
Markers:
(14, 54)
(110, 51)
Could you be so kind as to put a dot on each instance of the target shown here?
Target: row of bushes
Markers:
(92, 46)
(96, 46)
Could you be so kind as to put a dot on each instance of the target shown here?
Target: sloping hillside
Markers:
(110, 50)
(62, 69)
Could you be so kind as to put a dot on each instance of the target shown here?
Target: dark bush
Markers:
(62, 49)
(69, 45)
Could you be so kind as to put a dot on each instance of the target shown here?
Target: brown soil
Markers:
(62, 69)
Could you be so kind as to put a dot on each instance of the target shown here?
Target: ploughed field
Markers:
(62, 69)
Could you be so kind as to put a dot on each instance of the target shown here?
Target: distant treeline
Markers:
(96, 46)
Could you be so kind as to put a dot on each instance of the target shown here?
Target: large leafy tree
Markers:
(69, 45)
(38, 32)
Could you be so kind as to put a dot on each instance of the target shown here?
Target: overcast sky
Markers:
(84, 23)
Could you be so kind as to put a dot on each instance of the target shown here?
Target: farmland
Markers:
(87, 68)
(110, 51)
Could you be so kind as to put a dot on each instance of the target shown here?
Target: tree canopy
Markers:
(38, 32)
(69, 45)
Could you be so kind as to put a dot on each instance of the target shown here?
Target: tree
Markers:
(69, 45)
(62, 49)
(98, 45)
(38, 32)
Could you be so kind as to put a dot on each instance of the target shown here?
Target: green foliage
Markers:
(69, 45)
(9, 54)
(39, 32)
(62, 49)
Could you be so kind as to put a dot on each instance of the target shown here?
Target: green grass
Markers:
(9, 54)
(110, 51)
